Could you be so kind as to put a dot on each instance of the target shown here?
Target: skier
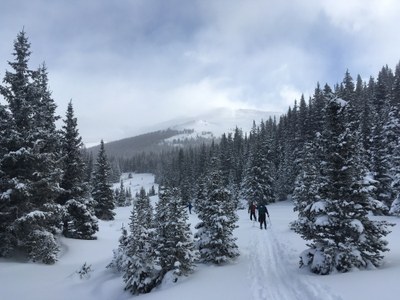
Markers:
(252, 211)
(262, 212)
(190, 207)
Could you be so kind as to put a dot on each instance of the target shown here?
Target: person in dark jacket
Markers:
(252, 211)
(262, 213)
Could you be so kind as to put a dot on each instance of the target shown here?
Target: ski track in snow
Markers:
(272, 279)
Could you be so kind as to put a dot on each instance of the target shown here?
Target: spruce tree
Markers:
(306, 195)
(29, 163)
(141, 270)
(121, 197)
(342, 235)
(217, 212)
(102, 192)
(392, 138)
(120, 260)
(7, 216)
(380, 162)
(79, 221)
(174, 241)
(257, 185)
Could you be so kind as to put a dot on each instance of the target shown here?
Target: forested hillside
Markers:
(336, 155)
(365, 117)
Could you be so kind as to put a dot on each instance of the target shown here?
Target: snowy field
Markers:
(266, 269)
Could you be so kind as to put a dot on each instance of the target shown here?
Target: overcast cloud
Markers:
(129, 64)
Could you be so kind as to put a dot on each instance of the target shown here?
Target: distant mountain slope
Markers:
(219, 121)
(152, 141)
(187, 131)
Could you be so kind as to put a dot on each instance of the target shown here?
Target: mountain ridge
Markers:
(188, 130)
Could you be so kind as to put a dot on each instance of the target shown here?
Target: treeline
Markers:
(337, 155)
(273, 154)
(48, 185)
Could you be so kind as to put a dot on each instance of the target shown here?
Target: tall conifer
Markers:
(102, 192)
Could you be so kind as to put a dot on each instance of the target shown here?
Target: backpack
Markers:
(262, 209)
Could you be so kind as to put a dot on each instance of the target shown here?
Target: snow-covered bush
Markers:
(84, 271)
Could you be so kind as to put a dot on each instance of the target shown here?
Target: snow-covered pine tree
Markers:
(152, 191)
(120, 261)
(121, 197)
(88, 160)
(29, 168)
(217, 212)
(380, 162)
(7, 216)
(102, 192)
(306, 196)
(342, 235)
(128, 195)
(285, 174)
(72, 181)
(141, 270)
(79, 221)
(392, 135)
(175, 247)
(257, 181)
(115, 170)
(238, 162)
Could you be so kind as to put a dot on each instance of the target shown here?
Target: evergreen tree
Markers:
(342, 235)
(366, 123)
(174, 239)
(257, 185)
(79, 219)
(380, 161)
(73, 166)
(141, 269)
(120, 260)
(121, 197)
(29, 168)
(128, 196)
(102, 192)
(392, 137)
(238, 162)
(217, 213)
(88, 160)
(152, 191)
(306, 196)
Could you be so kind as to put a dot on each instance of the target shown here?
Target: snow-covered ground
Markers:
(266, 269)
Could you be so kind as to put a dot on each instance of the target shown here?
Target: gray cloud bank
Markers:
(128, 64)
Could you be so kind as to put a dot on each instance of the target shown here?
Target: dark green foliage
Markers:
(139, 263)
(332, 201)
(120, 260)
(121, 195)
(174, 241)
(79, 219)
(102, 192)
(29, 170)
(257, 184)
(72, 161)
(217, 211)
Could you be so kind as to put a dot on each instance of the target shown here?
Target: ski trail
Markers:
(271, 275)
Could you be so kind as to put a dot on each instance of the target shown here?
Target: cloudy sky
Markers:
(127, 64)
